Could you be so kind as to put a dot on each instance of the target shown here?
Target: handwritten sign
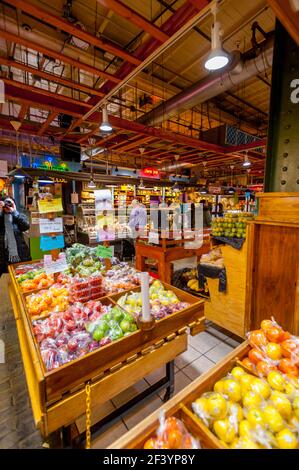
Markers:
(48, 243)
(153, 237)
(51, 226)
(105, 251)
(58, 266)
(45, 206)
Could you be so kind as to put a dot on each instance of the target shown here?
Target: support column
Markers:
(282, 165)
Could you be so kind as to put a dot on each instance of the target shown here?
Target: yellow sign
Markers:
(54, 205)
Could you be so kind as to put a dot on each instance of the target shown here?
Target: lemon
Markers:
(255, 417)
(245, 428)
(290, 389)
(296, 407)
(235, 409)
(294, 423)
(273, 419)
(251, 399)
(261, 387)
(285, 439)
(224, 430)
(282, 404)
(216, 406)
(237, 372)
(234, 444)
(247, 443)
(245, 381)
(232, 389)
(218, 387)
(276, 380)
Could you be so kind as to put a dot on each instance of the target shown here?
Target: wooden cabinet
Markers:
(273, 262)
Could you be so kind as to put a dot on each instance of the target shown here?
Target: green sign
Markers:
(104, 251)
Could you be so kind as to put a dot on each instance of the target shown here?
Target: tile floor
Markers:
(204, 351)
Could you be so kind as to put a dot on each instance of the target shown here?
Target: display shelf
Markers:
(58, 396)
(180, 406)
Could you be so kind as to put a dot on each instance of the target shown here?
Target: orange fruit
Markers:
(174, 439)
(274, 334)
(289, 347)
(257, 338)
(273, 351)
(263, 368)
(150, 443)
(287, 367)
(248, 364)
(255, 355)
(266, 324)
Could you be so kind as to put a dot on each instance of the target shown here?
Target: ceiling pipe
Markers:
(238, 71)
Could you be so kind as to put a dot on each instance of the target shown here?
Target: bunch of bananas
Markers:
(193, 284)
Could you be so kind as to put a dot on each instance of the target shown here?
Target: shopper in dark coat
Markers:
(13, 248)
(207, 217)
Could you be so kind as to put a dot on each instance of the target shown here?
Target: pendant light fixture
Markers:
(218, 58)
(91, 183)
(246, 162)
(176, 186)
(105, 125)
(141, 185)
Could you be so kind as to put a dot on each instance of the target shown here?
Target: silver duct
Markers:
(212, 85)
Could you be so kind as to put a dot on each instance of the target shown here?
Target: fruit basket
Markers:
(58, 395)
(183, 406)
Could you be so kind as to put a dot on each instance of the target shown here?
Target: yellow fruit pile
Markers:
(247, 412)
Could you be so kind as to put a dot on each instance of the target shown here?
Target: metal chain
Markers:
(88, 414)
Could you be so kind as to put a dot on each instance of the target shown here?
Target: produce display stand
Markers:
(228, 309)
(273, 262)
(58, 397)
(180, 406)
(168, 250)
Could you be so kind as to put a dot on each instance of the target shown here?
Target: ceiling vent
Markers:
(74, 41)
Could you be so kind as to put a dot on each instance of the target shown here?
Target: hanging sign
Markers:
(150, 172)
(58, 266)
(105, 251)
(51, 226)
(74, 198)
(54, 205)
(48, 243)
(214, 189)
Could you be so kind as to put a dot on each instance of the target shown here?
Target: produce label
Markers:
(51, 226)
(105, 251)
(45, 206)
(52, 267)
(51, 243)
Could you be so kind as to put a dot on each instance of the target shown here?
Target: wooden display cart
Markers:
(167, 251)
(58, 397)
(181, 407)
(273, 262)
(229, 309)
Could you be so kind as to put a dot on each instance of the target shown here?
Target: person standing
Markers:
(13, 248)
(207, 216)
(138, 218)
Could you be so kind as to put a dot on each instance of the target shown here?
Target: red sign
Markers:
(214, 189)
(150, 173)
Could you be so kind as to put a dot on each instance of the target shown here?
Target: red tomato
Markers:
(255, 355)
(274, 334)
(287, 367)
(257, 338)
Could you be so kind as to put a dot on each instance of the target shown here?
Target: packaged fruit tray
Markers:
(53, 384)
(222, 410)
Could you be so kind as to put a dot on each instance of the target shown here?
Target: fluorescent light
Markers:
(246, 161)
(91, 184)
(19, 176)
(105, 125)
(45, 179)
(218, 58)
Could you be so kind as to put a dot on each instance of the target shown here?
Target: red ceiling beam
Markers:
(199, 4)
(126, 12)
(52, 115)
(22, 112)
(57, 55)
(139, 141)
(51, 77)
(64, 25)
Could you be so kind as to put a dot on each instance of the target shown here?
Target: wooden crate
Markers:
(228, 309)
(181, 407)
(56, 395)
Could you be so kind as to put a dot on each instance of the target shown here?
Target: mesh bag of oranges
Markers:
(248, 412)
(171, 434)
(272, 348)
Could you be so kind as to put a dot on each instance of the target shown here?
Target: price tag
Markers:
(45, 206)
(52, 267)
(48, 243)
(51, 226)
(153, 237)
(105, 251)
